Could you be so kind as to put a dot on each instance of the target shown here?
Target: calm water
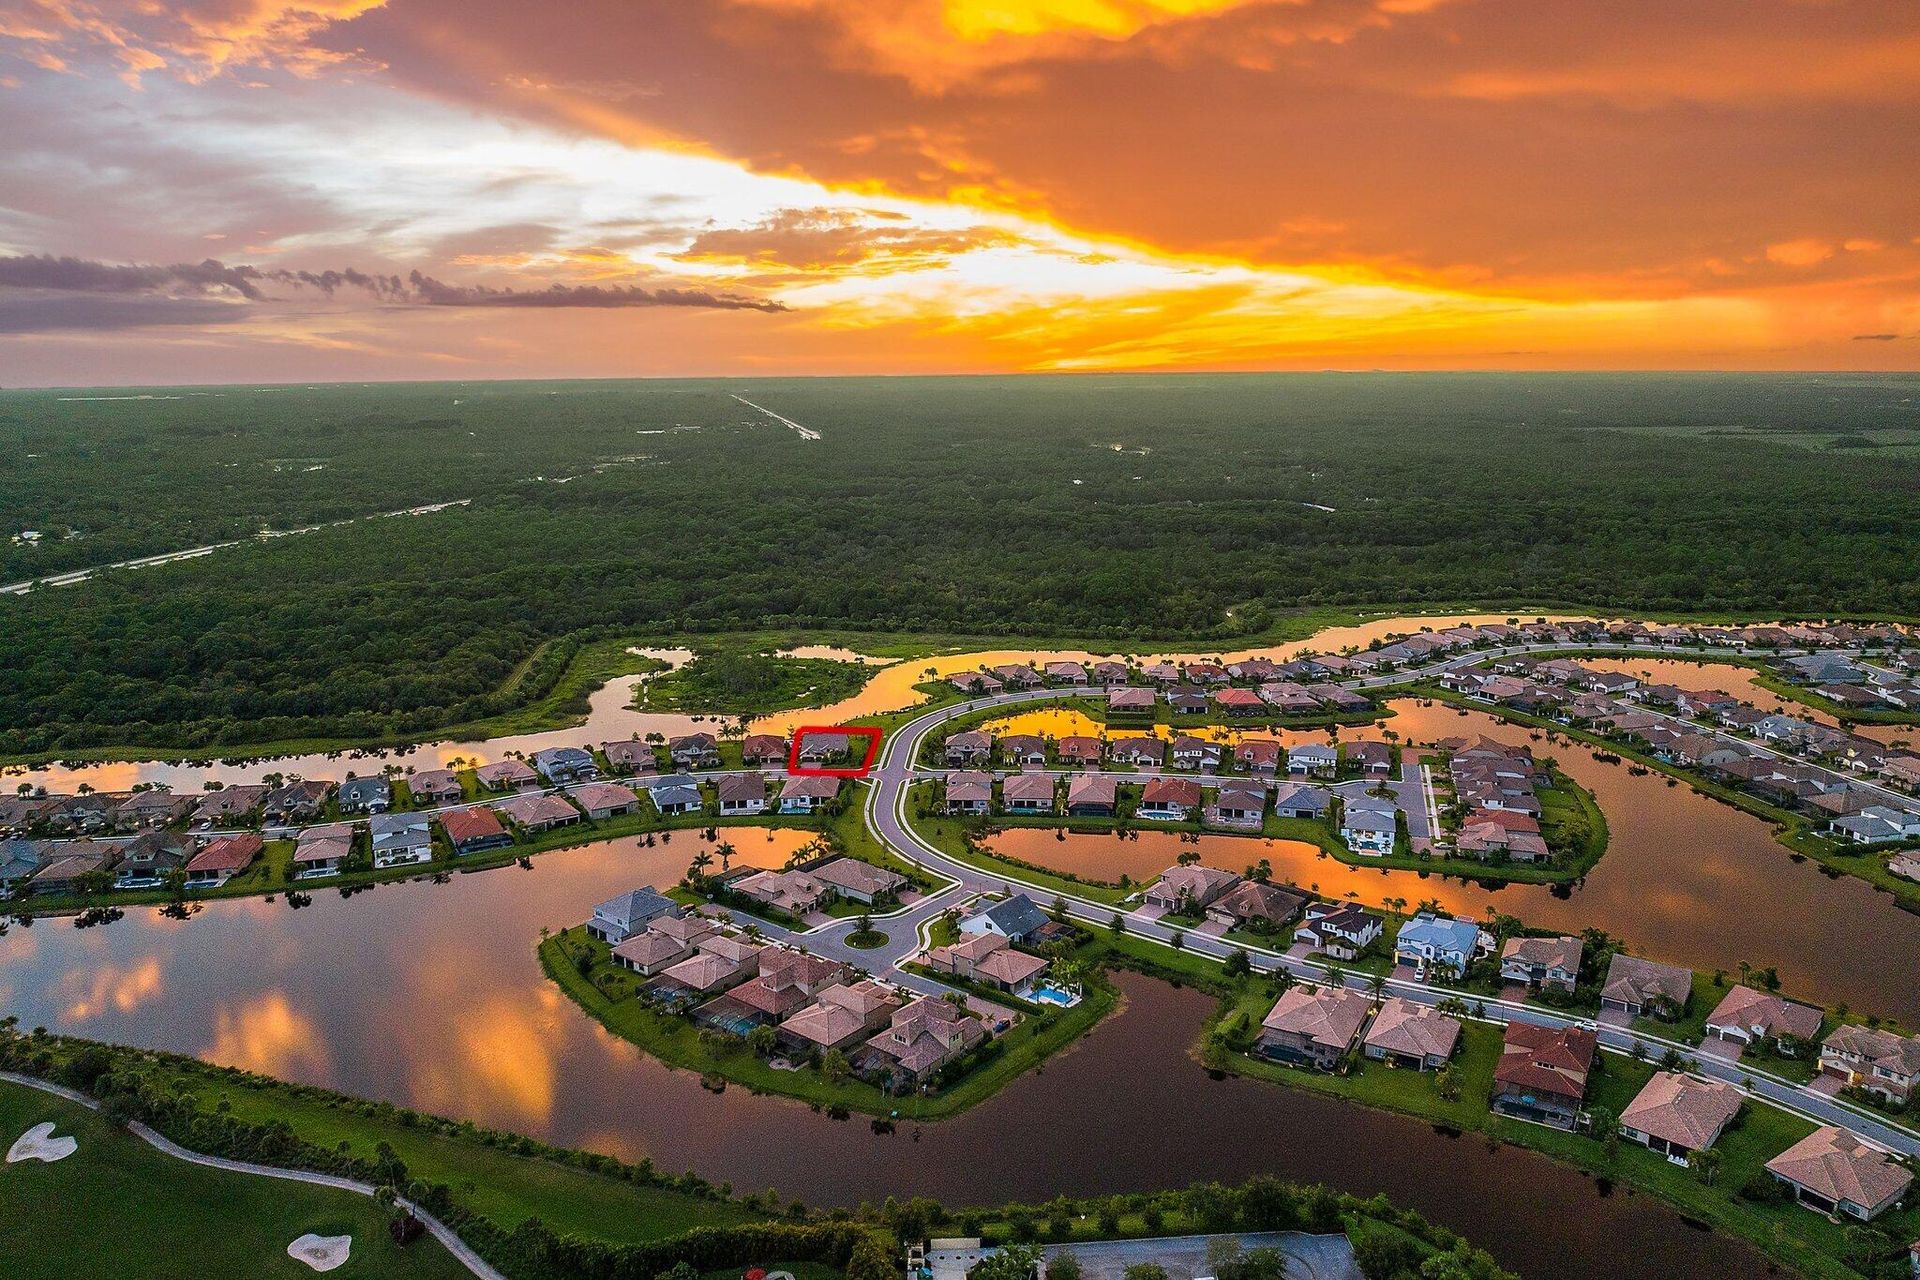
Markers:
(1685, 878)
(429, 995)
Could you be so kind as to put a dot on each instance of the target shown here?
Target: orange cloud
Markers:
(268, 1035)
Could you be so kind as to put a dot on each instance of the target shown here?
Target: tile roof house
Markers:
(1313, 1028)
(1189, 888)
(1833, 1171)
(719, 963)
(1024, 749)
(654, 950)
(538, 812)
(824, 748)
(605, 800)
(788, 980)
(1190, 752)
(1028, 793)
(1745, 1016)
(65, 871)
(694, 749)
(506, 775)
(435, 786)
(919, 1039)
(147, 858)
(1092, 795)
(859, 881)
(1542, 1073)
(969, 791)
(474, 830)
(1140, 752)
(988, 958)
(1677, 1114)
(1873, 1059)
(1067, 672)
(299, 801)
(629, 755)
(399, 839)
(222, 859)
(1129, 699)
(1111, 672)
(1645, 988)
(971, 747)
(618, 919)
(322, 851)
(1239, 802)
(1253, 904)
(1079, 749)
(1410, 1034)
(1542, 962)
(763, 748)
(844, 1014)
(794, 892)
(1239, 702)
(1259, 755)
(1169, 799)
(742, 794)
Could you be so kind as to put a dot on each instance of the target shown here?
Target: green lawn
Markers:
(504, 1187)
(732, 680)
(117, 1207)
(607, 993)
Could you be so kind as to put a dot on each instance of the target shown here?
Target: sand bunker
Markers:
(322, 1253)
(38, 1143)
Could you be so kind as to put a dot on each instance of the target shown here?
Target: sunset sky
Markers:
(251, 190)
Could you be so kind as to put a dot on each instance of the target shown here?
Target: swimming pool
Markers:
(1050, 994)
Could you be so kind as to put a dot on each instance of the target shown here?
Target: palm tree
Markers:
(726, 851)
(697, 869)
(1377, 985)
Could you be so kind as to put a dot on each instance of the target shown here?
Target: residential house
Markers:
(1259, 756)
(602, 800)
(1169, 799)
(435, 786)
(222, 859)
(989, 959)
(1142, 753)
(1645, 988)
(1373, 759)
(563, 765)
(151, 809)
(975, 682)
(794, 892)
(506, 775)
(1189, 888)
(1369, 825)
(1407, 1033)
(630, 755)
(1239, 803)
(1313, 759)
(1339, 929)
(1197, 753)
(1080, 750)
(1876, 823)
(322, 851)
(1444, 944)
(301, 801)
(1185, 700)
(1016, 918)
(1092, 795)
(1028, 793)
(146, 859)
(858, 881)
(678, 794)
(474, 830)
(820, 749)
(1301, 800)
(788, 981)
(1872, 1059)
(1746, 1016)
(1835, 1172)
(971, 747)
(366, 795)
(1677, 1115)
(718, 963)
(19, 859)
(742, 795)
(1542, 1073)
(763, 749)
(665, 942)
(68, 870)
(1066, 673)
(1313, 1028)
(538, 812)
(694, 750)
(1258, 906)
(920, 1038)
(969, 791)
(400, 839)
(1110, 672)
(1542, 963)
(1024, 749)
(1129, 700)
(1018, 675)
(844, 1015)
(1239, 702)
(618, 919)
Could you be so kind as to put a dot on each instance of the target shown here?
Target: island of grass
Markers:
(615, 997)
(744, 682)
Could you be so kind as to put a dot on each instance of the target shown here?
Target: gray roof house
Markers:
(618, 919)
(566, 764)
(1012, 918)
(400, 838)
(366, 795)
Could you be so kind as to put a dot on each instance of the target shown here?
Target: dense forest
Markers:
(1110, 508)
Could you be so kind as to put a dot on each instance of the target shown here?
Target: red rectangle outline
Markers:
(870, 732)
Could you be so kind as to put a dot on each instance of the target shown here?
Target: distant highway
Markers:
(76, 576)
(806, 433)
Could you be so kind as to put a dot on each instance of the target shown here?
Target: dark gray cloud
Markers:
(1876, 337)
(40, 291)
